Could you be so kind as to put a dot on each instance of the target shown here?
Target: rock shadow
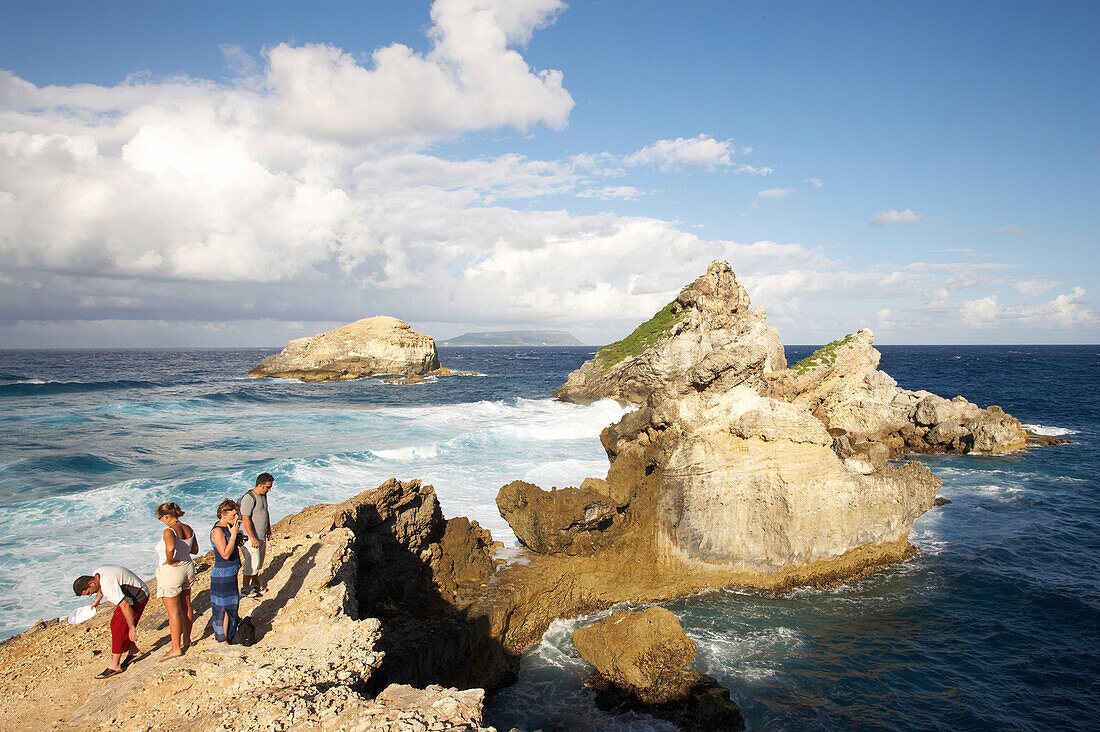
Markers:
(418, 573)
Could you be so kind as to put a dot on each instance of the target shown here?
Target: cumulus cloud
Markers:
(314, 189)
(1064, 311)
(470, 79)
(892, 216)
(701, 151)
(815, 182)
(1011, 229)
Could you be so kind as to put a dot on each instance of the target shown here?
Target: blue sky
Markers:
(243, 173)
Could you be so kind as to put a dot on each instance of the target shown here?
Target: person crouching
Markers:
(129, 594)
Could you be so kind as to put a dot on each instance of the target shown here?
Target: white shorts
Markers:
(171, 581)
(252, 558)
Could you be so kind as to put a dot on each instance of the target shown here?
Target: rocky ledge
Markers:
(356, 595)
(367, 347)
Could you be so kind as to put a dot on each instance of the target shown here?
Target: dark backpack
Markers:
(246, 633)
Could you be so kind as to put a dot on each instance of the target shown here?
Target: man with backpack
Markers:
(256, 522)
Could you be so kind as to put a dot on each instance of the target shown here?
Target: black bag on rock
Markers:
(246, 633)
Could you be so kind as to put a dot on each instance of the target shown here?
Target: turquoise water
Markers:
(996, 624)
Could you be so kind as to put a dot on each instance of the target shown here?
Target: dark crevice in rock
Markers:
(414, 571)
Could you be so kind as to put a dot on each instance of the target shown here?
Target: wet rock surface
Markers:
(640, 660)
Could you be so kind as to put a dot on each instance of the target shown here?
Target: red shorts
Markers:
(120, 631)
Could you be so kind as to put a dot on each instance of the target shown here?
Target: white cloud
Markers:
(1063, 312)
(1033, 287)
(774, 194)
(470, 79)
(1011, 229)
(815, 182)
(897, 217)
(701, 151)
(607, 193)
(286, 200)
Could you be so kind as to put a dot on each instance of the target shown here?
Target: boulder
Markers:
(640, 658)
(945, 433)
(378, 345)
(995, 431)
(635, 648)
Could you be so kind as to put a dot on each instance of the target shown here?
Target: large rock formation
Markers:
(378, 345)
(640, 660)
(723, 476)
(709, 339)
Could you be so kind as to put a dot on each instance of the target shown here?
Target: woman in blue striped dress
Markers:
(224, 595)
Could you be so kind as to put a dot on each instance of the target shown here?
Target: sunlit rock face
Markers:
(378, 345)
(736, 465)
(843, 387)
(707, 336)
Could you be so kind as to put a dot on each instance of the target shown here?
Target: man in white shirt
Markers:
(129, 594)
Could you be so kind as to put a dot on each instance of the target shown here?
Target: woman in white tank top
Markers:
(175, 573)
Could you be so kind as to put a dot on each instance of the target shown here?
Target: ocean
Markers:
(995, 624)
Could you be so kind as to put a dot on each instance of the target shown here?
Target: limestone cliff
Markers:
(728, 472)
(378, 345)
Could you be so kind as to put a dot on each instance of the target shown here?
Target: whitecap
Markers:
(412, 452)
(1048, 431)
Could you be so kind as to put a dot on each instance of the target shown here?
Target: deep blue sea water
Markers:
(995, 625)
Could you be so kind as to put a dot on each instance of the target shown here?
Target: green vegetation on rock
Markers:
(824, 356)
(644, 336)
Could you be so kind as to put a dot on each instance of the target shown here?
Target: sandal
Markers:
(107, 673)
(127, 661)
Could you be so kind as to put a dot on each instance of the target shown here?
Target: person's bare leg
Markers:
(187, 619)
(172, 607)
(116, 662)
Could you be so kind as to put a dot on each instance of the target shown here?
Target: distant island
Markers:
(514, 338)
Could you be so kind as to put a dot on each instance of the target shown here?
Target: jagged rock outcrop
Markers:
(569, 521)
(707, 337)
(640, 660)
(843, 387)
(378, 345)
(734, 464)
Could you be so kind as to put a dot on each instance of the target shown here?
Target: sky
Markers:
(239, 174)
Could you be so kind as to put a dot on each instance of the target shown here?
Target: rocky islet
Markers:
(367, 347)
